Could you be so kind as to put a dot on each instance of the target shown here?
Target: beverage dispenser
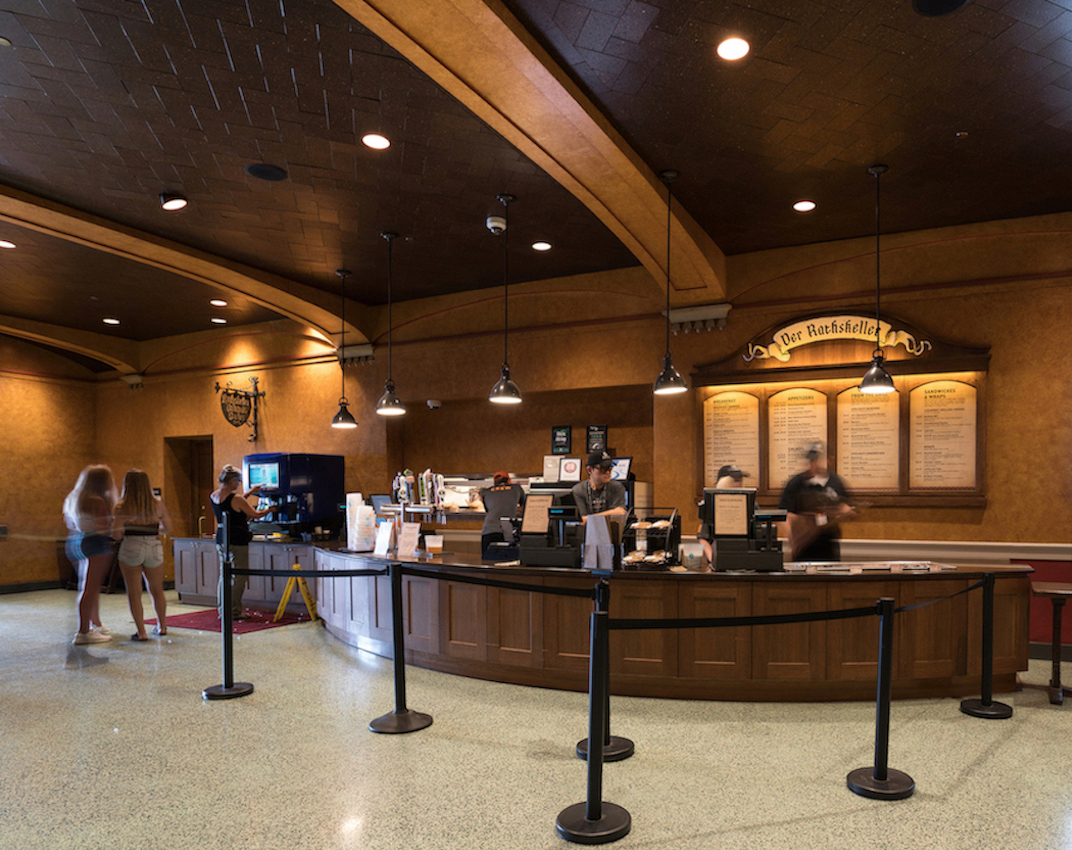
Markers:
(305, 491)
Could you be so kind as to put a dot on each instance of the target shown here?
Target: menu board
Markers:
(943, 436)
(797, 419)
(731, 433)
(868, 439)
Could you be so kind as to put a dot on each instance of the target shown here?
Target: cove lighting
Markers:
(804, 205)
(376, 141)
(733, 49)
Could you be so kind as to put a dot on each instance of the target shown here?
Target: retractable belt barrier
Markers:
(596, 821)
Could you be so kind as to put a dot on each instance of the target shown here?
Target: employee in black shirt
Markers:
(502, 499)
(817, 502)
(599, 495)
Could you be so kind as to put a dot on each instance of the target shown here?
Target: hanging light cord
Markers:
(342, 273)
(878, 180)
(506, 270)
(390, 237)
(668, 177)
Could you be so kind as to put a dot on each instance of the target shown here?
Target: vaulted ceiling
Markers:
(573, 106)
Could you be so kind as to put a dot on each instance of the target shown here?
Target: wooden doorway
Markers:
(188, 480)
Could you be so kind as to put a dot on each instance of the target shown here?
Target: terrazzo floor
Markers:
(111, 747)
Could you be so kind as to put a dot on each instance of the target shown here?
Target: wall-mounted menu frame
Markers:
(889, 451)
(731, 433)
(810, 363)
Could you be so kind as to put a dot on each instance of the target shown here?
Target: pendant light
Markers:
(669, 381)
(344, 418)
(389, 404)
(505, 391)
(877, 380)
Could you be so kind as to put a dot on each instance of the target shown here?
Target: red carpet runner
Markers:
(209, 621)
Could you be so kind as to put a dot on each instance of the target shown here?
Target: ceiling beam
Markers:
(303, 304)
(482, 55)
(120, 354)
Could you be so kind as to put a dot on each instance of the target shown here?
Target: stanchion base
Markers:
(400, 722)
(992, 711)
(617, 749)
(896, 785)
(238, 689)
(572, 824)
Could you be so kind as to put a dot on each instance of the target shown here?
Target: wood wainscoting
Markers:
(540, 639)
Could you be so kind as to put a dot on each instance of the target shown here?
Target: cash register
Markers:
(743, 537)
(549, 530)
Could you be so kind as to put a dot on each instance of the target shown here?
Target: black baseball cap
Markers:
(732, 471)
(600, 459)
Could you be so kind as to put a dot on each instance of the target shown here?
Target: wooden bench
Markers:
(1057, 593)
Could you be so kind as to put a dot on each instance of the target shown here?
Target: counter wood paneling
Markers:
(543, 640)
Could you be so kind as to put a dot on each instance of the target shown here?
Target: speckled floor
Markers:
(111, 747)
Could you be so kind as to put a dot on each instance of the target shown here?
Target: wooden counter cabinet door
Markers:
(197, 567)
(788, 650)
(723, 652)
(280, 558)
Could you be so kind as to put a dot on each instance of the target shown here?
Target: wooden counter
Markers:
(542, 640)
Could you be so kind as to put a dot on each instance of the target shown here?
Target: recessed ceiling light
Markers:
(265, 171)
(172, 201)
(961, 134)
(733, 48)
(804, 205)
(218, 302)
(216, 320)
(5, 42)
(541, 246)
(376, 141)
(5, 244)
(110, 321)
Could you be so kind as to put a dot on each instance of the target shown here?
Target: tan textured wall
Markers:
(584, 351)
(49, 434)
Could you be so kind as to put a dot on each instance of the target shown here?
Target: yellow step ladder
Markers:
(303, 586)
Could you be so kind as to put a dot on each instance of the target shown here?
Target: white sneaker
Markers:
(92, 636)
(103, 629)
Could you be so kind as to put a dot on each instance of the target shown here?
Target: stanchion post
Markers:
(614, 747)
(882, 782)
(400, 720)
(985, 706)
(595, 821)
(229, 689)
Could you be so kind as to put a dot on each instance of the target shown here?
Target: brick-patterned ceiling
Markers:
(106, 103)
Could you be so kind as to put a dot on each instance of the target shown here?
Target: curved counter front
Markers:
(539, 639)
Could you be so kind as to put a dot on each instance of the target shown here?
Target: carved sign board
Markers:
(825, 328)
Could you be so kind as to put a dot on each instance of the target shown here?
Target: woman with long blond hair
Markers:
(139, 517)
(88, 511)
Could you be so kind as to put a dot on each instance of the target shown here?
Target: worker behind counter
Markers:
(599, 495)
(728, 476)
(502, 500)
(817, 502)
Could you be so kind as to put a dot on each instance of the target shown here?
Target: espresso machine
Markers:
(305, 492)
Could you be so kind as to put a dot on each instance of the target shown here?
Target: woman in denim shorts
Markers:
(87, 510)
(139, 516)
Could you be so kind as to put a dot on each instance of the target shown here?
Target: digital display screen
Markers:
(265, 474)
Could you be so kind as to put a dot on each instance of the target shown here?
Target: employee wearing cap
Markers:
(729, 476)
(599, 495)
(502, 500)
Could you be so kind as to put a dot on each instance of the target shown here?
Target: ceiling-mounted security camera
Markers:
(495, 223)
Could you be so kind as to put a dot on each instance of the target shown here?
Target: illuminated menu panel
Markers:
(731, 433)
(797, 419)
(943, 436)
(868, 439)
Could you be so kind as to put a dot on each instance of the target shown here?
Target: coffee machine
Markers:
(304, 491)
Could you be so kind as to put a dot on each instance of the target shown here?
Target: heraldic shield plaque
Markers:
(236, 406)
